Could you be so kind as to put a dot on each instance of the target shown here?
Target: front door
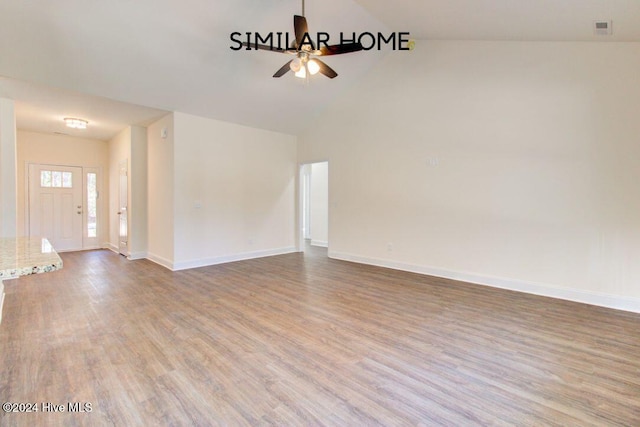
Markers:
(55, 205)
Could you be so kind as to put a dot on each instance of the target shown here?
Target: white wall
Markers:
(318, 204)
(35, 147)
(234, 192)
(8, 168)
(160, 187)
(138, 193)
(512, 164)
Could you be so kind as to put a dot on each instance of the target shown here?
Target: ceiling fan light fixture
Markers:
(302, 65)
(313, 67)
(302, 72)
(295, 65)
(75, 123)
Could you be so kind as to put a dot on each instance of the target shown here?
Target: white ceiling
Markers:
(534, 20)
(88, 57)
(43, 109)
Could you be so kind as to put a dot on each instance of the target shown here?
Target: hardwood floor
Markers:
(304, 340)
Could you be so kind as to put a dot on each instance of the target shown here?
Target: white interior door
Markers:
(123, 210)
(55, 205)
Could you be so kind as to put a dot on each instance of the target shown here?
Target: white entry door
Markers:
(55, 205)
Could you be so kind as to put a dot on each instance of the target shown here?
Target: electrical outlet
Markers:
(390, 247)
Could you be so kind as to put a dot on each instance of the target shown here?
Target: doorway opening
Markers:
(314, 206)
(123, 208)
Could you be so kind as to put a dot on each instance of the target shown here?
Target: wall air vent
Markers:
(602, 28)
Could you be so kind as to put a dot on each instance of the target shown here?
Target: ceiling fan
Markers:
(305, 63)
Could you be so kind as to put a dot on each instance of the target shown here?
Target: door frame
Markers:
(123, 165)
(301, 208)
(87, 243)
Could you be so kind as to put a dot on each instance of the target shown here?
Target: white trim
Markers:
(85, 169)
(577, 295)
(91, 242)
(320, 243)
(26, 206)
(300, 241)
(123, 165)
(1, 299)
(183, 265)
(158, 260)
(137, 255)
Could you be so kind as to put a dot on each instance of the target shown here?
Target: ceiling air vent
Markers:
(602, 28)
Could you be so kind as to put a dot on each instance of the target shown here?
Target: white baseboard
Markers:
(132, 256)
(137, 255)
(203, 262)
(587, 297)
(160, 260)
(320, 243)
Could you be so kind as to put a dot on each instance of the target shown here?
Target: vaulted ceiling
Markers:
(119, 63)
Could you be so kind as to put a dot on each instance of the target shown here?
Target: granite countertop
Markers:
(21, 256)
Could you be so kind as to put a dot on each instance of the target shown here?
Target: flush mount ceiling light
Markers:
(75, 123)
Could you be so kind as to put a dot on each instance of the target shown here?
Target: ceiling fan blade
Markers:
(325, 69)
(283, 70)
(301, 28)
(264, 47)
(338, 49)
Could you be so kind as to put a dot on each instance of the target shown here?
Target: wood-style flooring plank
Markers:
(301, 339)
